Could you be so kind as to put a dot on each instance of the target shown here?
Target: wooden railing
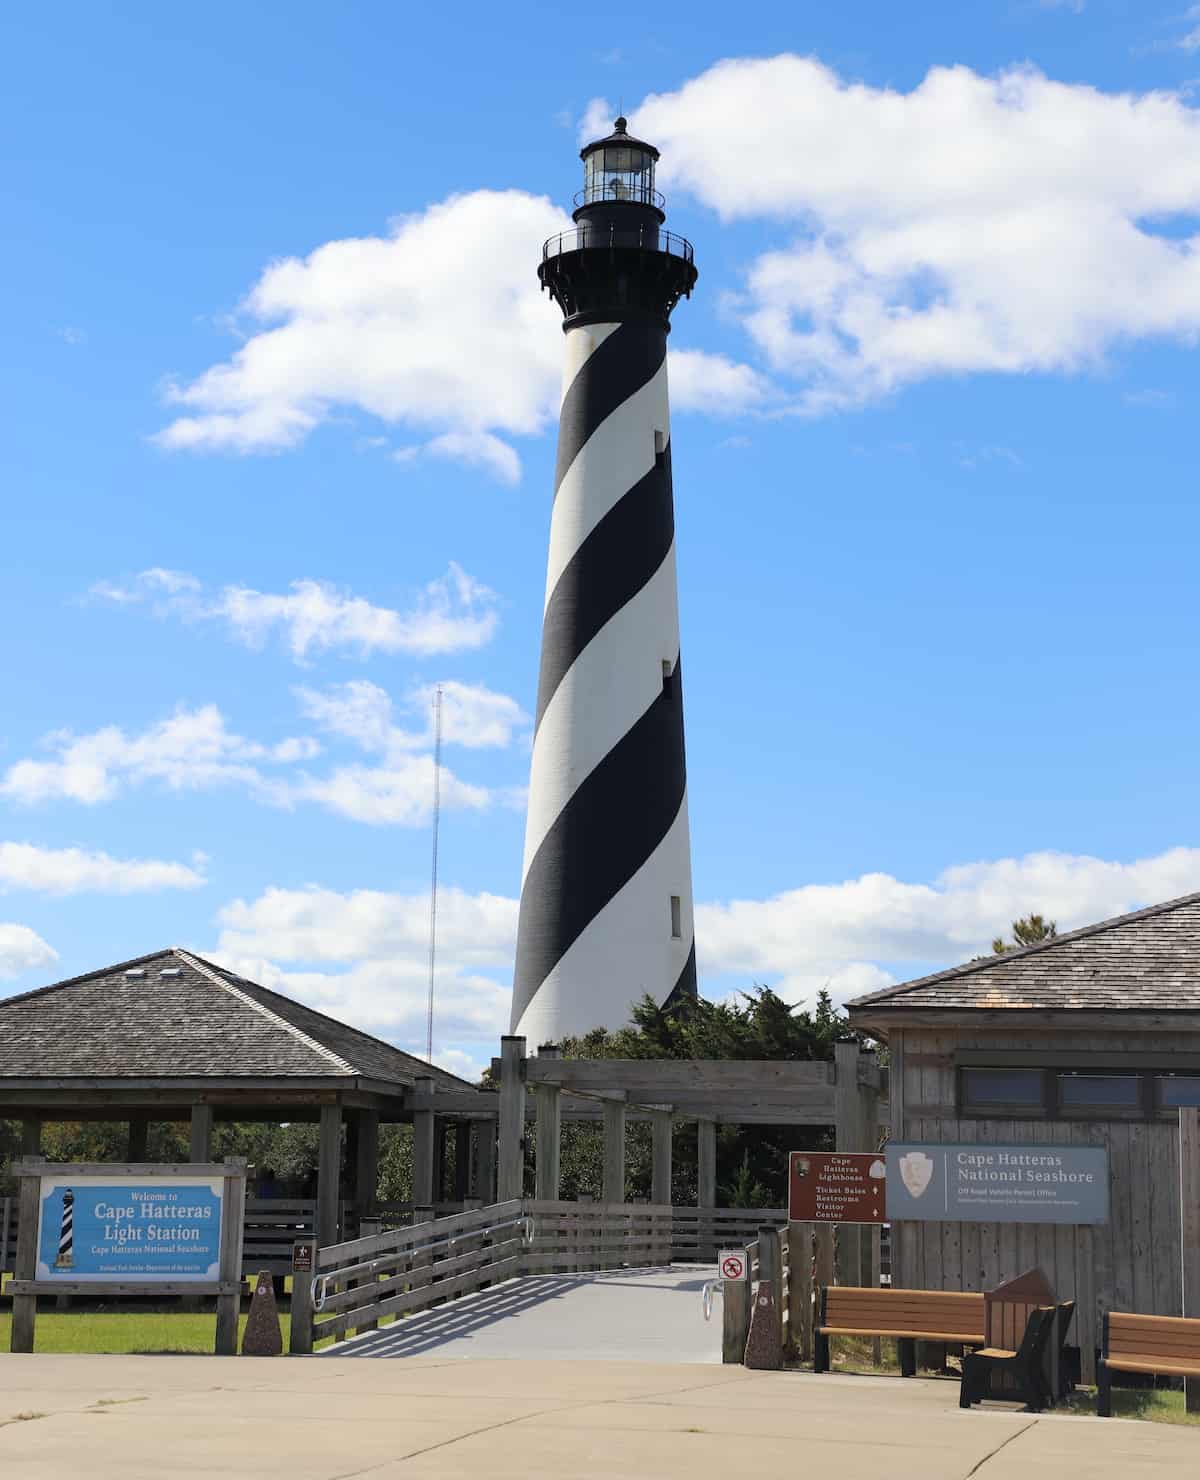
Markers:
(698, 1234)
(358, 1283)
(571, 1236)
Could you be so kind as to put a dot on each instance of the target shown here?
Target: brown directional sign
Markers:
(302, 1256)
(836, 1187)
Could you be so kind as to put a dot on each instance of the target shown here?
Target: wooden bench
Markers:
(908, 1315)
(1167, 1346)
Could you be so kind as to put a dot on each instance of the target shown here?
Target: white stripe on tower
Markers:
(606, 901)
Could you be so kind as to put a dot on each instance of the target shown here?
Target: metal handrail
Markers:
(651, 238)
(639, 195)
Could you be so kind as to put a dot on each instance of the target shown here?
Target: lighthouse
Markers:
(606, 890)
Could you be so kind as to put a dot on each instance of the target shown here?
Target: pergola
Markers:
(173, 1037)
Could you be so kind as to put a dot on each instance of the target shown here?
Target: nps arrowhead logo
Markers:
(916, 1172)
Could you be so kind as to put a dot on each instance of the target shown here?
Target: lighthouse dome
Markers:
(619, 168)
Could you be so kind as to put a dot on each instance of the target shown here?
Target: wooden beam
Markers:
(24, 1307)
(366, 1162)
(662, 1127)
(663, 1079)
(548, 1150)
(462, 1160)
(706, 1163)
(329, 1168)
(423, 1158)
(1189, 1198)
(511, 1176)
(614, 1152)
(135, 1144)
(485, 1160)
(201, 1133)
(440, 1132)
(850, 1135)
(31, 1136)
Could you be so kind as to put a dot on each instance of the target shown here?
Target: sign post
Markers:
(836, 1187)
(95, 1229)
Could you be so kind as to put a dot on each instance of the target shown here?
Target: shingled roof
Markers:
(1148, 961)
(175, 1015)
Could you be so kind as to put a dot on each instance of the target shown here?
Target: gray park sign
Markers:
(997, 1184)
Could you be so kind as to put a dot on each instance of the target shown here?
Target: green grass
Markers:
(125, 1331)
(1158, 1405)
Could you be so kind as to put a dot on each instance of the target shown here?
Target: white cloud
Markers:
(451, 614)
(195, 750)
(714, 384)
(438, 327)
(74, 870)
(22, 950)
(974, 224)
(473, 715)
(192, 750)
(866, 932)
(380, 944)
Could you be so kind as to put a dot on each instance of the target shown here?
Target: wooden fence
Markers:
(698, 1234)
(567, 1237)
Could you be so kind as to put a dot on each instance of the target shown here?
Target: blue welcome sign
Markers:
(94, 1228)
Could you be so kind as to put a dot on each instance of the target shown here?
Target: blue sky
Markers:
(279, 396)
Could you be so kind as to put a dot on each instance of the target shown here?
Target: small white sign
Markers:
(732, 1266)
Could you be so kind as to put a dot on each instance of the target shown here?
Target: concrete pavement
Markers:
(651, 1315)
(141, 1418)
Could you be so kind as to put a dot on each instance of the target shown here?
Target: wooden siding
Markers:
(1132, 1263)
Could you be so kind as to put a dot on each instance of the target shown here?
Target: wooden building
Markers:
(173, 1037)
(1088, 1039)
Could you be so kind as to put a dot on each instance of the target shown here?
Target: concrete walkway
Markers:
(645, 1315)
(200, 1418)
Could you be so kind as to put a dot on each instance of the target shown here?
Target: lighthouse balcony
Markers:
(640, 237)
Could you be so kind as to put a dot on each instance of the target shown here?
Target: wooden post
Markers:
(201, 1133)
(485, 1161)
(706, 1187)
(462, 1160)
(135, 1146)
(849, 1133)
(366, 1163)
(31, 1137)
(614, 1151)
(24, 1307)
(233, 1220)
(441, 1133)
(549, 1150)
(800, 1253)
(735, 1323)
(423, 1143)
(825, 1274)
(660, 1162)
(300, 1342)
(511, 1177)
(1189, 1201)
(329, 1171)
(770, 1262)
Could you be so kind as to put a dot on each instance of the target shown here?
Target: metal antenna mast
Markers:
(433, 888)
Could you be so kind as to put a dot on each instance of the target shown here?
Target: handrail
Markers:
(638, 195)
(594, 237)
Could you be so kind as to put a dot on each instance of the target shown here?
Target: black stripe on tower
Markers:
(611, 826)
(618, 558)
(628, 359)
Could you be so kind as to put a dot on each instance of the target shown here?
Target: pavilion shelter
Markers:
(173, 1037)
(1086, 1039)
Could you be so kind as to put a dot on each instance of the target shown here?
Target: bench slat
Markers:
(967, 1338)
(1166, 1368)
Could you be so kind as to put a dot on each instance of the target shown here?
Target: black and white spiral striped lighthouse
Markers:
(606, 893)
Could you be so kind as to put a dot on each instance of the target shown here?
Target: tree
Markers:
(751, 1160)
(1029, 930)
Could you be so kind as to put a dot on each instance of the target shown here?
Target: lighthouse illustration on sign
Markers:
(606, 892)
(66, 1234)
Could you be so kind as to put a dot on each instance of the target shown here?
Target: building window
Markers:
(660, 443)
(676, 917)
(1102, 1095)
(1016, 1092)
(1175, 1090)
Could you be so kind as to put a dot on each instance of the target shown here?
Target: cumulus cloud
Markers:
(999, 224)
(438, 327)
(190, 751)
(75, 870)
(22, 950)
(451, 614)
(363, 955)
(194, 750)
(715, 384)
(865, 933)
